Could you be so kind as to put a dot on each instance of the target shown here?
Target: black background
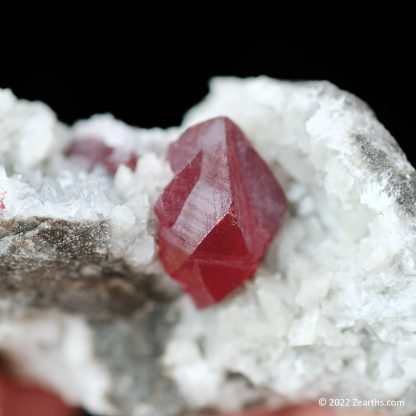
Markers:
(148, 64)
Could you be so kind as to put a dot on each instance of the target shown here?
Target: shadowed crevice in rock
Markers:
(133, 360)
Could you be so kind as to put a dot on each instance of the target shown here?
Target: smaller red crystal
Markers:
(18, 398)
(219, 213)
(2, 206)
(98, 153)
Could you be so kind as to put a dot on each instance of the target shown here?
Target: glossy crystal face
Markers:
(219, 213)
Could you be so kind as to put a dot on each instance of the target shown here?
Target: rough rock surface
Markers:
(331, 312)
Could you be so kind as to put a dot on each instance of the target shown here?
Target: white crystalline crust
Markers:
(56, 348)
(37, 180)
(28, 132)
(331, 311)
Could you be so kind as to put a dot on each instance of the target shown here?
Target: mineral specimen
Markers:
(329, 312)
(219, 213)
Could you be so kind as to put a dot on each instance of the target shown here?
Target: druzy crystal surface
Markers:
(219, 213)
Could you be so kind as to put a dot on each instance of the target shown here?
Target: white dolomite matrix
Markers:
(330, 312)
(41, 345)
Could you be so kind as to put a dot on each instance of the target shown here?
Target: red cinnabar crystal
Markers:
(98, 153)
(219, 213)
(21, 399)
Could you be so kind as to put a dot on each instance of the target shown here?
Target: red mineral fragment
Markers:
(307, 409)
(98, 153)
(2, 204)
(219, 213)
(20, 399)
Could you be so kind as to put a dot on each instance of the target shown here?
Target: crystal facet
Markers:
(219, 213)
(98, 153)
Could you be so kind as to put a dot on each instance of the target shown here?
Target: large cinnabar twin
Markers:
(219, 213)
